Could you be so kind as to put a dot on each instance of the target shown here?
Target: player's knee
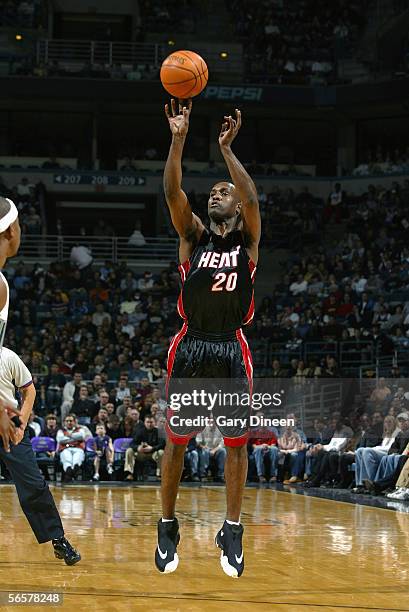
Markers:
(175, 447)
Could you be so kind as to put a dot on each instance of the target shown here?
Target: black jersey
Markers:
(217, 293)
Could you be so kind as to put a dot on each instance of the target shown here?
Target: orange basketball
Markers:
(184, 74)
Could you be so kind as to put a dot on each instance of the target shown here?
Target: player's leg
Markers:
(230, 536)
(166, 557)
(36, 500)
(238, 359)
(235, 474)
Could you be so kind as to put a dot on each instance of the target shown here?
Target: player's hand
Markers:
(230, 129)
(7, 428)
(178, 117)
(19, 434)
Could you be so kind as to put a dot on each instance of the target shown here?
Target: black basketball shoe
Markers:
(229, 539)
(64, 550)
(166, 557)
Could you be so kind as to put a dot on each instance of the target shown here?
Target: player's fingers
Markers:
(6, 444)
(189, 104)
(167, 113)
(12, 410)
(173, 106)
(181, 107)
(238, 115)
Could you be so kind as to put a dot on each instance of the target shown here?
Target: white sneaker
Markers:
(394, 493)
(110, 468)
(95, 477)
(402, 494)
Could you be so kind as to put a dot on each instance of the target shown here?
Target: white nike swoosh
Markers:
(239, 559)
(221, 533)
(163, 555)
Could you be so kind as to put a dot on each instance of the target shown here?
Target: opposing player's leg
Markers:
(229, 538)
(166, 557)
(36, 500)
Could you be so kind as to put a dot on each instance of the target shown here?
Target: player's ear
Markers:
(238, 208)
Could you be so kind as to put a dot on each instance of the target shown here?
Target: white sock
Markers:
(167, 520)
(230, 522)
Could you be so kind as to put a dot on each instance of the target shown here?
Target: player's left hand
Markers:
(19, 434)
(230, 129)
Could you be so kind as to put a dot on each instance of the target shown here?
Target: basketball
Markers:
(184, 74)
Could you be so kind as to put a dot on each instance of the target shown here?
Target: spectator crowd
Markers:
(295, 42)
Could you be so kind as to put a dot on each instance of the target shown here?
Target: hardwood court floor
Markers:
(302, 553)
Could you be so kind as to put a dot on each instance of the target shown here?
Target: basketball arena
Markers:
(204, 305)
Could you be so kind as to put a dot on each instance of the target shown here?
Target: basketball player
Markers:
(217, 267)
(34, 495)
(10, 234)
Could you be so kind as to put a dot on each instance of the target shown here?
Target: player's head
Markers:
(10, 232)
(223, 203)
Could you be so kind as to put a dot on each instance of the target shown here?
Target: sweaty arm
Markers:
(245, 187)
(188, 226)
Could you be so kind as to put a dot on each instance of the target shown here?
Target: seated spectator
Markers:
(52, 388)
(389, 462)
(104, 449)
(24, 191)
(34, 425)
(277, 370)
(50, 428)
(83, 407)
(81, 257)
(70, 393)
(103, 401)
(211, 450)
(128, 426)
(137, 239)
(156, 372)
(32, 222)
(368, 459)
(290, 450)
(101, 417)
(263, 443)
(145, 445)
(71, 444)
(113, 427)
(100, 316)
(192, 461)
(145, 284)
(122, 409)
(327, 455)
(122, 390)
(368, 436)
(380, 395)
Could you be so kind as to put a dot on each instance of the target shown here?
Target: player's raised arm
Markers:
(245, 187)
(187, 224)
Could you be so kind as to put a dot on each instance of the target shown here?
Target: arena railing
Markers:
(156, 252)
(130, 54)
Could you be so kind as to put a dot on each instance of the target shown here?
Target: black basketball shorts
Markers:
(209, 380)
